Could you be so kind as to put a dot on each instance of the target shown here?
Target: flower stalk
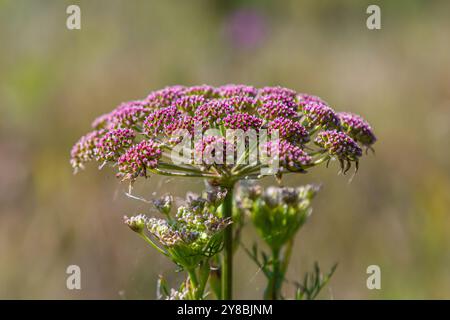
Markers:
(274, 283)
(227, 266)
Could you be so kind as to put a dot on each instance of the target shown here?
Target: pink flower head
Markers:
(241, 103)
(138, 159)
(287, 100)
(113, 142)
(243, 121)
(183, 122)
(203, 90)
(290, 157)
(231, 90)
(189, 103)
(357, 128)
(304, 99)
(164, 97)
(277, 91)
(289, 130)
(339, 145)
(272, 109)
(320, 114)
(175, 130)
(157, 121)
(214, 111)
(170, 115)
(84, 149)
(128, 117)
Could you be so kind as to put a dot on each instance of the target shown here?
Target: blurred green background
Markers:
(54, 81)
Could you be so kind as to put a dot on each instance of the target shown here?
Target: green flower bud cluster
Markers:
(278, 213)
(192, 235)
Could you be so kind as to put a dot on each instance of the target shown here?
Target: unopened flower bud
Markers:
(164, 204)
(136, 223)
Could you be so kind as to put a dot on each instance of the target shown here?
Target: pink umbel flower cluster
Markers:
(290, 130)
(214, 111)
(189, 103)
(138, 159)
(112, 142)
(271, 109)
(202, 90)
(84, 150)
(243, 121)
(138, 137)
(305, 99)
(185, 122)
(233, 90)
(126, 115)
(339, 144)
(242, 103)
(357, 128)
(164, 97)
(158, 120)
(278, 91)
(290, 157)
(279, 96)
(222, 134)
(318, 114)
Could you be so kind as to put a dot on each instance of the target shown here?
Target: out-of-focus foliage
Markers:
(53, 81)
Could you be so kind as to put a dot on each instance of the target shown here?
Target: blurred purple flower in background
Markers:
(246, 28)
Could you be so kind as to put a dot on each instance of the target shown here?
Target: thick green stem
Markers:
(204, 276)
(227, 262)
(274, 285)
(194, 284)
(287, 256)
(215, 277)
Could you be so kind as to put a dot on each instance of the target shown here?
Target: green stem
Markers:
(204, 275)
(180, 174)
(180, 168)
(194, 283)
(149, 241)
(287, 256)
(227, 262)
(273, 286)
(215, 277)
